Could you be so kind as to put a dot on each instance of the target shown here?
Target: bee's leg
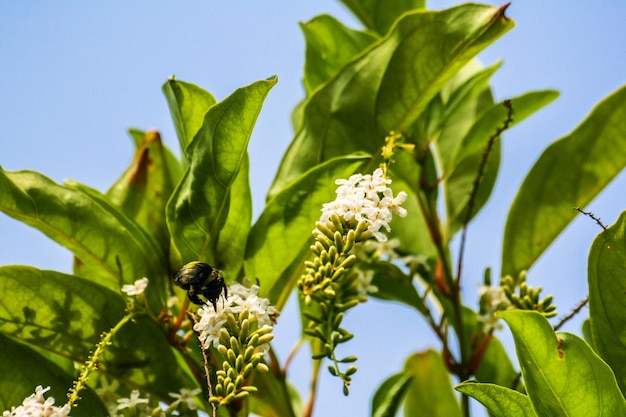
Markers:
(193, 297)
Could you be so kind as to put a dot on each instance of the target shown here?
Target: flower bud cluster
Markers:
(363, 206)
(527, 297)
(240, 331)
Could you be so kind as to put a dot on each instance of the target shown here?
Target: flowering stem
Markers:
(308, 408)
(194, 319)
(92, 362)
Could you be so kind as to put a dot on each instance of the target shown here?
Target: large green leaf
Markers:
(465, 165)
(144, 188)
(110, 248)
(430, 392)
(329, 46)
(387, 87)
(395, 285)
(569, 173)
(280, 238)
(607, 286)
(500, 401)
(466, 97)
(200, 204)
(65, 315)
(23, 369)
(563, 375)
(388, 398)
(234, 234)
(380, 15)
(496, 367)
(188, 104)
(275, 397)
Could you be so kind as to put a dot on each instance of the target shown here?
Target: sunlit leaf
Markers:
(70, 314)
(464, 167)
(563, 375)
(234, 234)
(380, 15)
(496, 367)
(188, 104)
(144, 188)
(275, 397)
(23, 369)
(569, 173)
(393, 284)
(281, 236)
(607, 289)
(500, 401)
(430, 392)
(200, 204)
(387, 88)
(110, 248)
(389, 396)
(329, 46)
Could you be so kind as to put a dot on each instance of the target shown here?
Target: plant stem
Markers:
(465, 404)
(308, 408)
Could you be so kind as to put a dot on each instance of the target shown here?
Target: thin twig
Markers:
(193, 318)
(575, 311)
(590, 214)
(479, 176)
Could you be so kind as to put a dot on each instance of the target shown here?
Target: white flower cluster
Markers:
(37, 405)
(368, 198)
(240, 298)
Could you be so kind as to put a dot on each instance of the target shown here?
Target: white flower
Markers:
(240, 298)
(185, 397)
(364, 282)
(137, 288)
(131, 402)
(368, 198)
(494, 295)
(37, 405)
(211, 321)
(490, 321)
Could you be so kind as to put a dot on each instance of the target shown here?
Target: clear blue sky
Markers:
(74, 76)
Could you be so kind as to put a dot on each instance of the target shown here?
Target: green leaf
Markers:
(607, 286)
(389, 396)
(380, 15)
(144, 188)
(412, 230)
(496, 367)
(279, 241)
(489, 122)
(200, 204)
(188, 104)
(65, 315)
(465, 165)
(329, 46)
(23, 369)
(465, 99)
(234, 234)
(500, 401)
(274, 396)
(430, 392)
(395, 285)
(110, 248)
(569, 173)
(563, 375)
(387, 87)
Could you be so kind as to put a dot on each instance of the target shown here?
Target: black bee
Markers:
(202, 279)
